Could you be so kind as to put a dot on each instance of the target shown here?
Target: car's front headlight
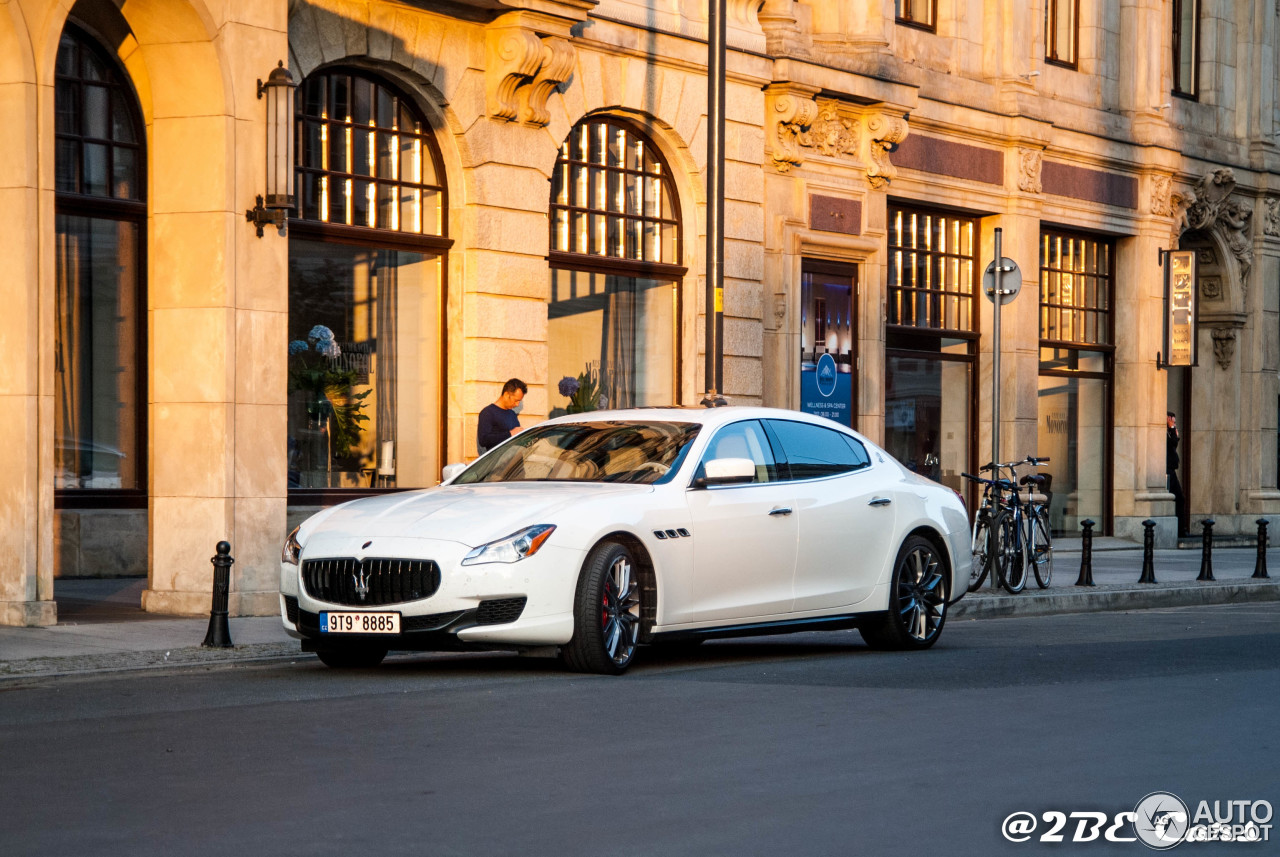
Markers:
(292, 548)
(513, 548)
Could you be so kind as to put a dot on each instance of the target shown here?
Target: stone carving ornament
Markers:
(831, 134)
(1271, 216)
(884, 133)
(1029, 163)
(1162, 196)
(1211, 208)
(518, 56)
(1224, 345)
(791, 113)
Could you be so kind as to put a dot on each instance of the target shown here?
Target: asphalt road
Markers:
(797, 745)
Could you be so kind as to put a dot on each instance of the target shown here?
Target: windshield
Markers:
(641, 453)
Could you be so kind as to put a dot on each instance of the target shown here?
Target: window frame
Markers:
(379, 236)
(131, 210)
(382, 238)
(904, 14)
(1107, 312)
(770, 444)
(1178, 89)
(1052, 12)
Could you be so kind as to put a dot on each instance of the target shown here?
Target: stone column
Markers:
(218, 301)
(26, 245)
(1139, 395)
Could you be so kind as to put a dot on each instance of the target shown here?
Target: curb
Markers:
(1116, 597)
(106, 662)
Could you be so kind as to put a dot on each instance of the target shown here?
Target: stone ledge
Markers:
(1116, 597)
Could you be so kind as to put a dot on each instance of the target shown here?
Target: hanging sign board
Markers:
(1180, 309)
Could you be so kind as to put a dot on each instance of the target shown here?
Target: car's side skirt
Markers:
(842, 622)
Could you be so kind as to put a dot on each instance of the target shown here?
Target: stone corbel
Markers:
(884, 132)
(558, 58)
(514, 56)
(1224, 345)
(791, 110)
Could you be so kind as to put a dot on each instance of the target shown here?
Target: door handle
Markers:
(781, 510)
(880, 501)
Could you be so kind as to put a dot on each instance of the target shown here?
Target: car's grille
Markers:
(291, 609)
(500, 611)
(383, 581)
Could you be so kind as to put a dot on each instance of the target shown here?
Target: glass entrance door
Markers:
(827, 348)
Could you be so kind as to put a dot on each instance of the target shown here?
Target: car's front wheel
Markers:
(606, 612)
(917, 600)
(355, 658)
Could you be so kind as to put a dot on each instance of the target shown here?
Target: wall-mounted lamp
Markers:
(279, 201)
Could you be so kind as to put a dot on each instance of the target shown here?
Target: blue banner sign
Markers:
(825, 391)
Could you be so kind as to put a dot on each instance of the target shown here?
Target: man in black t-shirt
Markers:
(500, 420)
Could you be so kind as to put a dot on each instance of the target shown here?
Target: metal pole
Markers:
(219, 634)
(716, 37)
(995, 350)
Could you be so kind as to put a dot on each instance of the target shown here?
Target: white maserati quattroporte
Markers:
(596, 533)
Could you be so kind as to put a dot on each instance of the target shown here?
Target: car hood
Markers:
(468, 514)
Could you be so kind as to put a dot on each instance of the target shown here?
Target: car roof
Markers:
(711, 417)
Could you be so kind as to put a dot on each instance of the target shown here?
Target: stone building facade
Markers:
(517, 188)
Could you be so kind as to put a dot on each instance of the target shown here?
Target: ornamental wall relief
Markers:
(885, 132)
(1162, 203)
(801, 125)
(1029, 163)
(1224, 345)
(523, 65)
(1209, 207)
(1271, 216)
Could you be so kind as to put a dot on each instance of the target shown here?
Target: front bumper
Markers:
(523, 604)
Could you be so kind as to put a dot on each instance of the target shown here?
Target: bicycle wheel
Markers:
(979, 547)
(1012, 574)
(1043, 549)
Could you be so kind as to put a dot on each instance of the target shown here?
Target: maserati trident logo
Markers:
(361, 580)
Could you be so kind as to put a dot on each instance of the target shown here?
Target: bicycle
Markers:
(1024, 527)
(992, 533)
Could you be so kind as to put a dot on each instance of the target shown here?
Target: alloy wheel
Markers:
(620, 611)
(921, 594)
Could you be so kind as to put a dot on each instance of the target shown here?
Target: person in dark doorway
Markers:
(1171, 470)
(501, 419)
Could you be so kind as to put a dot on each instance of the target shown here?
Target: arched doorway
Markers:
(613, 321)
(100, 336)
(367, 261)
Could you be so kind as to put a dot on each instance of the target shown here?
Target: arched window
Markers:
(100, 337)
(366, 267)
(613, 319)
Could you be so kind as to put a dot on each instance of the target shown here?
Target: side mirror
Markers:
(450, 472)
(727, 471)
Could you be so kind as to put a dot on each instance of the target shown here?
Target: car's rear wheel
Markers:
(606, 612)
(354, 658)
(917, 600)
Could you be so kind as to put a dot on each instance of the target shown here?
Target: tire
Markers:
(1012, 572)
(918, 596)
(606, 613)
(981, 549)
(1043, 564)
(354, 658)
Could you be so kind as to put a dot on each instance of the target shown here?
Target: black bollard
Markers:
(1086, 555)
(219, 634)
(1206, 552)
(1260, 567)
(1148, 552)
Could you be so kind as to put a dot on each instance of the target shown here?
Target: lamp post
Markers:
(716, 37)
(274, 207)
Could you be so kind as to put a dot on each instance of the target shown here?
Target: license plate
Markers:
(359, 623)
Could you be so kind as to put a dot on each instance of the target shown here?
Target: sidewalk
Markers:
(101, 628)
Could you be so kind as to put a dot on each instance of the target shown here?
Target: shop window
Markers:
(1061, 32)
(1077, 274)
(613, 318)
(917, 13)
(366, 267)
(1186, 48)
(100, 402)
(931, 342)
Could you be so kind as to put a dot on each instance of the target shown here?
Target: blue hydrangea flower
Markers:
(569, 386)
(321, 333)
(298, 346)
(329, 348)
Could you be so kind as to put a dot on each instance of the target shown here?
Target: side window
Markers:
(813, 451)
(742, 440)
